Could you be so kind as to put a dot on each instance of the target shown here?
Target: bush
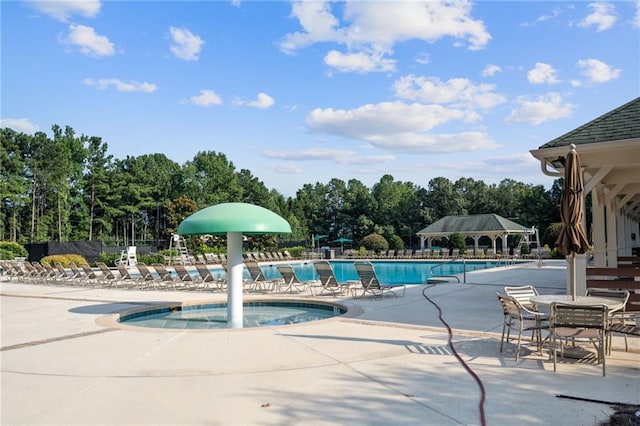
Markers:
(296, 251)
(151, 258)
(64, 259)
(13, 249)
(396, 243)
(375, 242)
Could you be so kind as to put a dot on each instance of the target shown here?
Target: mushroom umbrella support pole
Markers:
(234, 220)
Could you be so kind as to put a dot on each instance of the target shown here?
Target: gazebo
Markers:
(474, 226)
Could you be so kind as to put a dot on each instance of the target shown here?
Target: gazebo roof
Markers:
(480, 224)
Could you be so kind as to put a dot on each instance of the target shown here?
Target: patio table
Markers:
(548, 299)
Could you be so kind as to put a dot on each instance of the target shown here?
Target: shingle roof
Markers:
(479, 224)
(621, 123)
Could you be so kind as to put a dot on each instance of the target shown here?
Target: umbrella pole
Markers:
(235, 268)
(573, 276)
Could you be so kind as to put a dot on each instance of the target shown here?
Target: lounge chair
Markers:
(108, 277)
(207, 280)
(90, 277)
(146, 278)
(328, 283)
(184, 277)
(371, 283)
(291, 280)
(258, 281)
(126, 278)
(165, 278)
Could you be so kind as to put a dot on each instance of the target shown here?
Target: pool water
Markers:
(398, 272)
(214, 316)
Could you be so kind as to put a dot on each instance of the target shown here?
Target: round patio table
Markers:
(548, 299)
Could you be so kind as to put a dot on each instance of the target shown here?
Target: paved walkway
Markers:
(388, 364)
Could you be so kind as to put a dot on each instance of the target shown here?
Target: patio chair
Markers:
(517, 317)
(572, 323)
(523, 294)
(291, 281)
(617, 317)
(371, 283)
(327, 280)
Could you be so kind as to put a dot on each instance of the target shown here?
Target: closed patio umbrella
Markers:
(572, 238)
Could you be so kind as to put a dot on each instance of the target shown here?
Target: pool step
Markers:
(443, 279)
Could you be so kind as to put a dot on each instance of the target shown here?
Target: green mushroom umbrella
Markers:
(234, 220)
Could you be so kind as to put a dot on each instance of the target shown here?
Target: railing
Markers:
(464, 268)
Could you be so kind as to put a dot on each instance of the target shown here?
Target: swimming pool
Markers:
(389, 272)
(214, 315)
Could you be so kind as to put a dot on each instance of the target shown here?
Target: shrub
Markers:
(64, 259)
(296, 251)
(375, 242)
(14, 250)
(151, 258)
(396, 243)
(109, 259)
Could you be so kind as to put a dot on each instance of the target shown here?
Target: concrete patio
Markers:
(387, 363)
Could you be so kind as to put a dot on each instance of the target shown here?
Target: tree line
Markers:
(67, 188)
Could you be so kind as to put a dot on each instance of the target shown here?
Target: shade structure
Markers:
(234, 220)
(572, 238)
(341, 240)
(247, 219)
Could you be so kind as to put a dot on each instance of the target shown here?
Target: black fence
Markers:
(90, 250)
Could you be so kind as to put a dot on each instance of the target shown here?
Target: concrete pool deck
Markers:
(390, 364)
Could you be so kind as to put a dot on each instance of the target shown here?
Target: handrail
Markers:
(464, 268)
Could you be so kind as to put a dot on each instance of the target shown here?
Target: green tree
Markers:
(375, 242)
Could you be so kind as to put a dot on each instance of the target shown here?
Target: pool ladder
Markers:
(464, 269)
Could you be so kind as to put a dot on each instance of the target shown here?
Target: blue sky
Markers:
(302, 92)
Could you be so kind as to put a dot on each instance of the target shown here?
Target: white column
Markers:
(612, 234)
(475, 242)
(505, 246)
(580, 274)
(235, 268)
(598, 228)
(421, 243)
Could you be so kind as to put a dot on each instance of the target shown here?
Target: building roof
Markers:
(479, 224)
(619, 124)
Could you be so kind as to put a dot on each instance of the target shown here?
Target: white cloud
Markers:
(544, 108)
(636, 18)
(542, 74)
(184, 44)
(205, 98)
(61, 10)
(371, 159)
(262, 101)
(121, 86)
(456, 91)
(399, 126)
(491, 70)
(597, 71)
(312, 154)
(287, 169)
(603, 16)
(375, 27)
(20, 125)
(88, 42)
(359, 62)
